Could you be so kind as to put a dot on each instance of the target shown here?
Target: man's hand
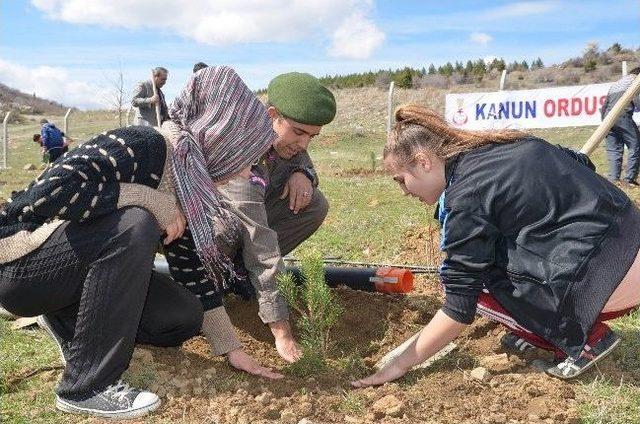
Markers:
(286, 345)
(176, 228)
(300, 190)
(240, 360)
(153, 99)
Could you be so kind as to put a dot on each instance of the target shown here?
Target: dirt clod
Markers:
(480, 374)
(496, 363)
(264, 398)
(389, 405)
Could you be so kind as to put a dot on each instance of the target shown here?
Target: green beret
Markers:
(302, 98)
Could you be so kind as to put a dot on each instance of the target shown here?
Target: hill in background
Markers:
(27, 104)
(594, 66)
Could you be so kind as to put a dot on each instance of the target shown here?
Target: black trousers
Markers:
(94, 282)
(55, 153)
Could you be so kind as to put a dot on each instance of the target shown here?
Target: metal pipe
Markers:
(384, 280)
(390, 107)
(5, 139)
(416, 269)
(66, 122)
(503, 79)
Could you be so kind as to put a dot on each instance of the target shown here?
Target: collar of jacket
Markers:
(449, 168)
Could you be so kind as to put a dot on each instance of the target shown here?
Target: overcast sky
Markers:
(68, 50)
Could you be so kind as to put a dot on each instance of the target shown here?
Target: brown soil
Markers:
(421, 246)
(196, 387)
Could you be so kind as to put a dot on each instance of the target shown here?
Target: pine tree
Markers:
(468, 69)
(404, 78)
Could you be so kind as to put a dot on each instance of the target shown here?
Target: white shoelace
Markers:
(119, 390)
(567, 366)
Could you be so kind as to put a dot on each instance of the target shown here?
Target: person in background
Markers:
(623, 133)
(198, 66)
(53, 141)
(145, 101)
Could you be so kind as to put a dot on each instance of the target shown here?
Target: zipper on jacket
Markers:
(522, 277)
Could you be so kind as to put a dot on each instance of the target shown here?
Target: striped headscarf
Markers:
(223, 129)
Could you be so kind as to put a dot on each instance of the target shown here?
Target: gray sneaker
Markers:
(63, 346)
(573, 367)
(118, 401)
(512, 343)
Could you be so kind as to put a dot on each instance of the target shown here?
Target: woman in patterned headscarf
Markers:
(77, 245)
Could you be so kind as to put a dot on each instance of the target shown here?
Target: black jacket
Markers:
(548, 237)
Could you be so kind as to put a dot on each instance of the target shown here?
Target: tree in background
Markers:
(116, 95)
(404, 78)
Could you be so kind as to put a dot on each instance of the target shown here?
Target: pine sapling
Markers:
(318, 310)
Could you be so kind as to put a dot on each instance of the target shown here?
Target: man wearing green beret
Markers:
(280, 204)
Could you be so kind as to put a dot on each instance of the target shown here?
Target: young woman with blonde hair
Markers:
(533, 238)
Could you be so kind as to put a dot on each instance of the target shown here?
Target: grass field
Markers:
(369, 220)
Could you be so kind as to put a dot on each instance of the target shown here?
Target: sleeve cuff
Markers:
(460, 308)
(163, 206)
(219, 331)
(273, 308)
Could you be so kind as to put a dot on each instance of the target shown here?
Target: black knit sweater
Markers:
(85, 183)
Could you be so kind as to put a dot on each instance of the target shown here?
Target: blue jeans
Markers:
(623, 133)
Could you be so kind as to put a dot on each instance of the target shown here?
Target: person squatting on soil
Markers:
(275, 209)
(77, 245)
(623, 133)
(533, 238)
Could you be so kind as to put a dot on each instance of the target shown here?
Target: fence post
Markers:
(5, 139)
(390, 107)
(503, 79)
(129, 114)
(66, 122)
(624, 68)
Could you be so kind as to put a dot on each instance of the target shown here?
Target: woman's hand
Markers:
(437, 334)
(286, 345)
(176, 228)
(391, 372)
(240, 360)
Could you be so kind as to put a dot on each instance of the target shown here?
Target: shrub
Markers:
(569, 77)
(545, 76)
(435, 81)
(590, 65)
(318, 309)
(383, 80)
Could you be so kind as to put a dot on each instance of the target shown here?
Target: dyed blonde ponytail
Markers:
(420, 128)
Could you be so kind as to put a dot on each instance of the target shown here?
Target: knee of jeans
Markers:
(318, 208)
(142, 228)
(172, 328)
